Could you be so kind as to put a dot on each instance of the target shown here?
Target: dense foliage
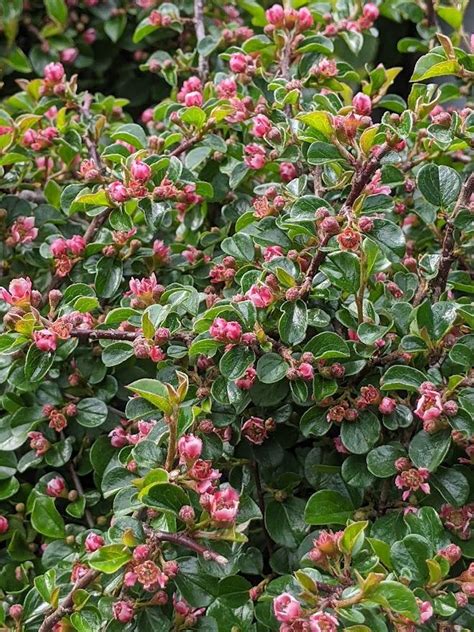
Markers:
(237, 349)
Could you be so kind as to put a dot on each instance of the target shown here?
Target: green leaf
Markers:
(429, 450)
(328, 507)
(131, 133)
(409, 557)
(362, 434)
(452, 485)
(434, 65)
(343, 270)
(115, 26)
(402, 378)
(294, 322)
(46, 519)
(328, 345)
(396, 597)
(108, 276)
(37, 363)
(353, 537)
(239, 246)
(284, 521)
(236, 361)
(117, 352)
(91, 412)
(153, 391)
(57, 10)
(165, 497)
(109, 558)
(320, 153)
(389, 237)
(439, 185)
(271, 368)
(319, 121)
(193, 116)
(381, 460)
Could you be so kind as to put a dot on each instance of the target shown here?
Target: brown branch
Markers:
(189, 543)
(78, 485)
(362, 179)
(437, 285)
(285, 59)
(203, 65)
(314, 267)
(430, 13)
(67, 605)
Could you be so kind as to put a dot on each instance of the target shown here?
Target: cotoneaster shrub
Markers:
(237, 342)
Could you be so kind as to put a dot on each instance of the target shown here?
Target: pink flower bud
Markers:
(93, 542)
(141, 553)
(305, 371)
(261, 125)
(3, 525)
(286, 608)
(238, 62)
(15, 611)
(118, 437)
(189, 448)
(45, 340)
(450, 407)
(288, 171)
(275, 15)
(54, 72)
(187, 514)
(140, 170)
(123, 611)
(366, 224)
(330, 226)
(362, 104)
(387, 406)
(305, 19)
(193, 99)
(370, 11)
(118, 192)
(55, 487)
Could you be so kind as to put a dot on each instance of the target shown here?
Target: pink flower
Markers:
(305, 371)
(224, 506)
(204, 476)
(45, 340)
(118, 437)
(144, 288)
(256, 157)
(22, 231)
(140, 170)
(193, 84)
(426, 611)
(15, 611)
(260, 295)
(286, 608)
(323, 622)
(271, 252)
(93, 542)
(55, 487)
(76, 245)
(412, 480)
(193, 99)
(118, 192)
(429, 407)
(160, 250)
(247, 380)
(254, 430)
(288, 171)
(261, 125)
(327, 68)
(305, 19)
(89, 36)
(370, 11)
(69, 55)
(141, 553)
(387, 406)
(38, 443)
(189, 448)
(54, 72)
(18, 293)
(238, 62)
(452, 553)
(375, 187)
(123, 611)
(226, 331)
(227, 88)
(362, 104)
(4, 526)
(275, 15)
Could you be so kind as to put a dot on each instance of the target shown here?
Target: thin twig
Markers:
(203, 65)
(438, 285)
(78, 485)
